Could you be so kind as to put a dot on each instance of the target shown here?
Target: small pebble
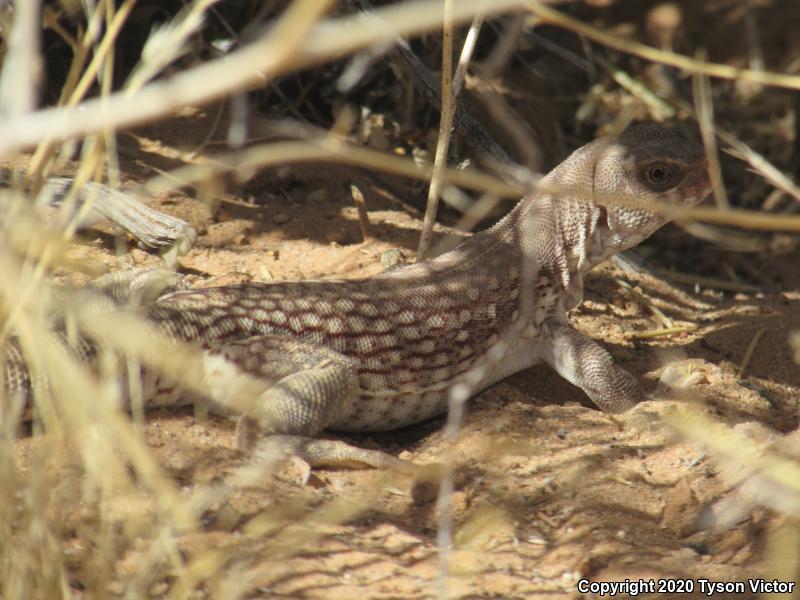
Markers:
(391, 258)
(318, 195)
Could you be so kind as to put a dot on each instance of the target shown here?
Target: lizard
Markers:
(381, 352)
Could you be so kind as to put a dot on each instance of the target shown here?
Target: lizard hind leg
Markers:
(289, 390)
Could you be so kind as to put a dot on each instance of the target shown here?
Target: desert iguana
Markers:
(382, 352)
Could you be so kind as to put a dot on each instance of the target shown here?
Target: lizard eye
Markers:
(658, 176)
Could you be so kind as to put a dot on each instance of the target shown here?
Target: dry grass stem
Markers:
(705, 118)
(665, 321)
(748, 354)
(710, 282)
(346, 153)
(554, 17)
(363, 216)
(777, 478)
(17, 86)
(760, 164)
(666, 332)
(447, 110)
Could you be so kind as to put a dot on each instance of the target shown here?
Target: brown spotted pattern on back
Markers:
(413, 331)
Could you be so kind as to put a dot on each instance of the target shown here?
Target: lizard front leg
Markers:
(289, 390)
(583, 362)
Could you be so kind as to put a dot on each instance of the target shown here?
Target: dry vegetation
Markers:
(253, 120)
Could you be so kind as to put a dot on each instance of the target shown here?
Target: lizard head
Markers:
(644, 169)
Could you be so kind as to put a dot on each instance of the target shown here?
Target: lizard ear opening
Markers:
(602, 218)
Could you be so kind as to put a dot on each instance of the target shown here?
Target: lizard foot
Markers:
(326, 453)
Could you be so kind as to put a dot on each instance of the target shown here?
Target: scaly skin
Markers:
(382, 352)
